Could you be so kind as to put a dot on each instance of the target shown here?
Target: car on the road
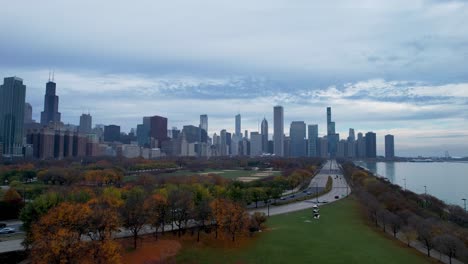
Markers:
(2, 225)
(292, 196)
(337, 197)
(7, 230)
(283, 198)
(308, 193)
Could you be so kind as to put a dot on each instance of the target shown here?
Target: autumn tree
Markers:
(156, 207)
(409, 234)
(395, 222)
(231, 217)
(449, 245)
(426, 234)
(33, 211)
(57, 235)
(181, 203)
(133, 213)
(256, 221)
(11, 195)
(102, 223)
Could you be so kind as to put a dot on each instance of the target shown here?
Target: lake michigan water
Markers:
(447, 181)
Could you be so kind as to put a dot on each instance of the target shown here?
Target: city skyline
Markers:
(400, 66)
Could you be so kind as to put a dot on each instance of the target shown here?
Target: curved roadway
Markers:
(340, 189)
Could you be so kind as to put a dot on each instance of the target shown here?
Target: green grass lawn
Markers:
(340, 236)
(234, 174)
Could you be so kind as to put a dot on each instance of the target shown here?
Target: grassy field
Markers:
(340, 236)
(230, 174)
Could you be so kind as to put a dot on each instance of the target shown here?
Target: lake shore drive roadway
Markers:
(339, 189)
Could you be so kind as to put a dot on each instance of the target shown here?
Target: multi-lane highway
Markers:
(340, 189)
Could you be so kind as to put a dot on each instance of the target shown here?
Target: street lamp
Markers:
(316, 191)
(425, 190)
(404, 179)
(464, 201)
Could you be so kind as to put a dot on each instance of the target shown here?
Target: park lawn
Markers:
(340, 236)
(229, 174)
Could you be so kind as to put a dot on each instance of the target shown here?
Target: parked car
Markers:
(7, 230)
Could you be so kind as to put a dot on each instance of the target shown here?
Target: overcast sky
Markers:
(396, 67)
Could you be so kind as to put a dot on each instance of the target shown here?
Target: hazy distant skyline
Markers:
(395, 67)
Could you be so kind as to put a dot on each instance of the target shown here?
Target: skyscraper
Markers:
(297, 133)
(351, 147)
(204, 122)
(361, 146)
(264, 132)
(278, 130)
(313, 140)
(12, 96)
(51, 103)
(255, 144)
(332, 136)
(111, 133)
(158, 129)
(238, 125)
(329, 128)
(389, 147)
(222, 143)
(371, 145)
(28, 113)
(86, 123)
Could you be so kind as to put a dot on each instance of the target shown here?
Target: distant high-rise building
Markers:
(238, 125)
(255, 144)
(371, 145)
(287, 147)
(351, 144)
(313, 138)
(111, 133)
(204, 122)
(297, 133)
(342, 149)
(158, 129)
(332, 136)
(51, 104)
(329, 128)
(86, 123)
(323, 146)
(222, 143)
(278, 130)
(389, 147)
(12, 96)
(361, 146)
(264, 132)
(229, 142)
(191, 133)
(28, 113)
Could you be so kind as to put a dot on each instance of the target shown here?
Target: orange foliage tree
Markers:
(230, 217)
(60, 235)
(157, 208)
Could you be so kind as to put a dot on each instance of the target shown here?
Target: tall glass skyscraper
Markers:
(12, 102)
(371, 145)
(238, 125)
(297, 133)
(278, 130)
(313, 138)
(389, 146)
(51, 102)
(264, 132)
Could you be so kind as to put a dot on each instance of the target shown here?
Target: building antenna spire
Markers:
(49, 75)
(53, 72)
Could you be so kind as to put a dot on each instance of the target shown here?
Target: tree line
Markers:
(411, 216)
